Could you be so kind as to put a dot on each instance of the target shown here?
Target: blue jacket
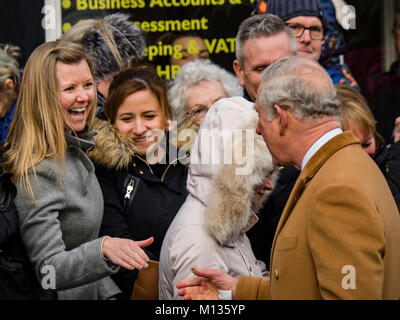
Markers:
(5, 123)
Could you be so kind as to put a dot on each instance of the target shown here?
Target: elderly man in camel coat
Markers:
(339, 234)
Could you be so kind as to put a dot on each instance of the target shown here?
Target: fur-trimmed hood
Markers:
(111, 150)
(115, 151)
(227, 186)
(129, 40)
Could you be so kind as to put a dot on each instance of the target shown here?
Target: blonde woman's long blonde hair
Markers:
(354, 109)
(37, 130)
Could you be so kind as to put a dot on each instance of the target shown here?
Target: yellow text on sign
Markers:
(185, 3)
(173, 25)
(82, 5)
(216, 45)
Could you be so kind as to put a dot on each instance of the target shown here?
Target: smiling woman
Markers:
(60, 211)
(141, 195)
(77, 93)
(137, 116)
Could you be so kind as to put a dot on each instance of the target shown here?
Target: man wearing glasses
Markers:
(306, 19)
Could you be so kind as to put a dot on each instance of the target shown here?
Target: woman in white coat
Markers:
(230, 169)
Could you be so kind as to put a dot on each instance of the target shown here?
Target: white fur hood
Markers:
(228, 161)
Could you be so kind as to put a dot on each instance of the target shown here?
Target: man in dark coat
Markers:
(262, 40)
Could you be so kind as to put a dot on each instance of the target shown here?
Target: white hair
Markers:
(300, 84)
(193, 73)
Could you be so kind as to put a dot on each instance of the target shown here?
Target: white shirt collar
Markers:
(318, 144)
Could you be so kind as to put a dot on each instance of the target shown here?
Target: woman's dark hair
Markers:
(130, 81)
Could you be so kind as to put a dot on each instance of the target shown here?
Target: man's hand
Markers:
(206, 284)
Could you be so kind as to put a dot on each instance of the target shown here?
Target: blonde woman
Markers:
(59, 200)
(113, 44)
(357, 117)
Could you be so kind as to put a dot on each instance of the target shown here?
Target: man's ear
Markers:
(283, 119)
(239, 71)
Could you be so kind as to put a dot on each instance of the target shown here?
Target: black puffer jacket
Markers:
(8, 214)
(17, 277)
(261, 236)
(388, 160)
(140, 200)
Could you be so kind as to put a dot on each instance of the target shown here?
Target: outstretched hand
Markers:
(127, 253)
(206, 284)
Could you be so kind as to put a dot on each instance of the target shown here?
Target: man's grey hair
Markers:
(193, 73)
(262, 25)
(300, 84)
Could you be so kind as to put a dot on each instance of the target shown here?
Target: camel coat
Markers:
(339, 234)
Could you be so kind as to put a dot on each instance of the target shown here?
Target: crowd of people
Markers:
(267, 181)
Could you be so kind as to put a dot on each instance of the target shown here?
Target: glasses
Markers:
(197, 112)
(316, 32)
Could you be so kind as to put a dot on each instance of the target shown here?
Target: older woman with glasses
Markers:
(194, 90)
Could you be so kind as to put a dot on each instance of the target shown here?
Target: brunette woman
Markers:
(141, 174)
